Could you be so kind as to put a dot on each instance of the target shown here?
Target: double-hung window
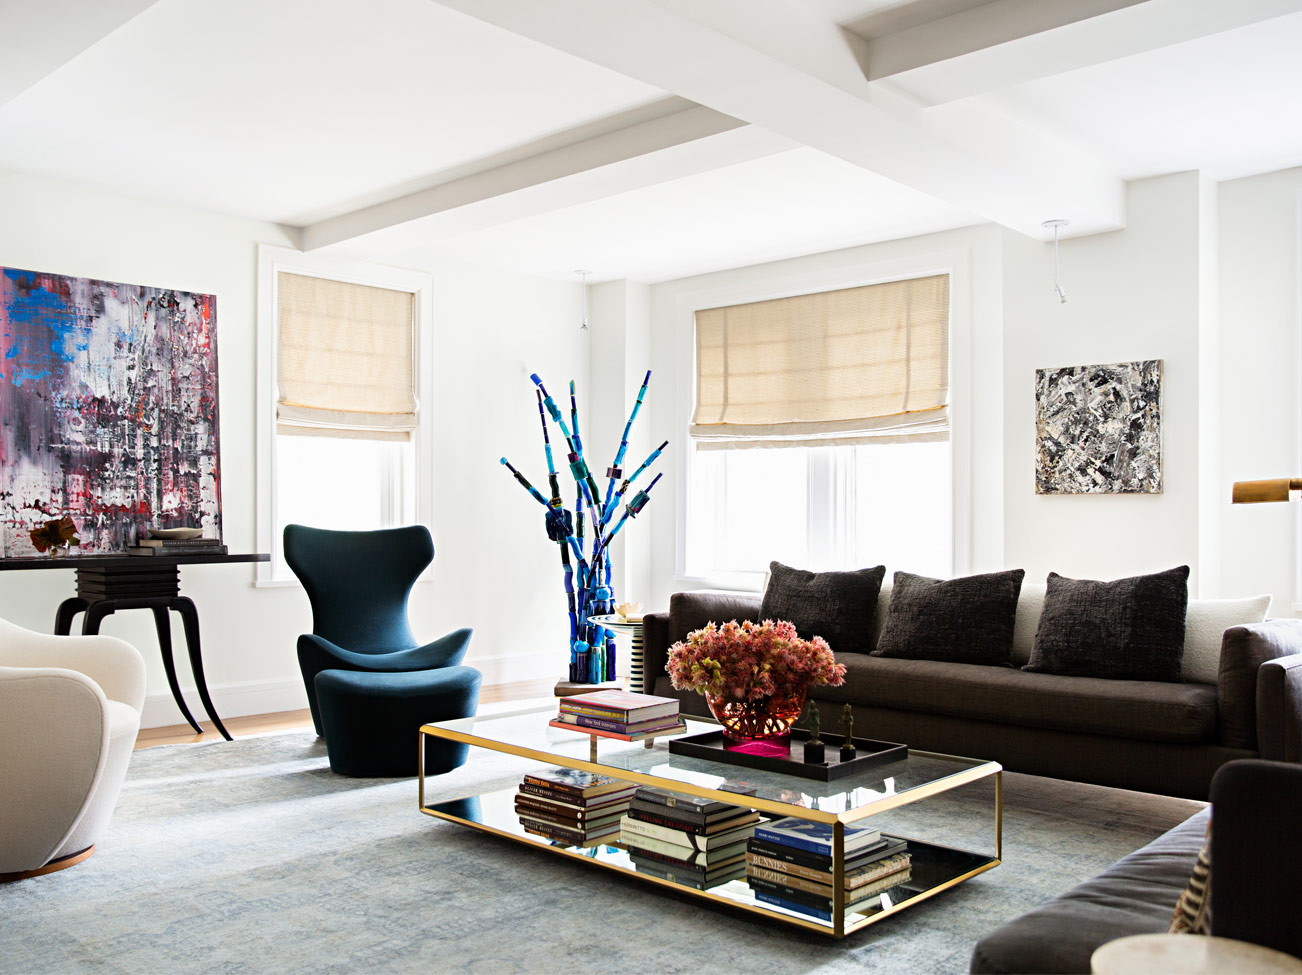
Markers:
(820, 433)
(345, 424)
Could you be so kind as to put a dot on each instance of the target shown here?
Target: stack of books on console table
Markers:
(696, 842)
(620, 714)
(578, 808)
(789, 864)
(178, 546)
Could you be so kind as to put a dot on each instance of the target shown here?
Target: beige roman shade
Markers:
(860, 365)
(344, 360)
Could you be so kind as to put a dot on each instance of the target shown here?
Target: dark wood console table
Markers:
(107, 583)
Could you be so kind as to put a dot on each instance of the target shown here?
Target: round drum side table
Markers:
(1189, 954)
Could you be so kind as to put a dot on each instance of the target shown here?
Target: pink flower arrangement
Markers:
(751, 661)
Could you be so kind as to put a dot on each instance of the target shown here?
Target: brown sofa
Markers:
(1168, 738)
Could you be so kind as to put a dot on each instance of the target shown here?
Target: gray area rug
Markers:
(252, 856)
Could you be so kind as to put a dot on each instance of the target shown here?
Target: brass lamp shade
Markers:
(1276, 489)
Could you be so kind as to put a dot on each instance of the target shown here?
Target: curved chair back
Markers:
(358, 582)
(69, 713)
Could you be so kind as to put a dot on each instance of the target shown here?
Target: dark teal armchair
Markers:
(369, 683)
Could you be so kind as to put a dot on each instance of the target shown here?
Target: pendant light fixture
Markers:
(583, 280)
(1056, 224)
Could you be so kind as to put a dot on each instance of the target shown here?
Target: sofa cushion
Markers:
(1127, 629)
(1205, 624)
(838, 606)
(1133, 896)
(1147, 710)
(690, 611)
(967, 620)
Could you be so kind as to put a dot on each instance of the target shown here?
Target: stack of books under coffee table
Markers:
(789, 864)
(697, 842)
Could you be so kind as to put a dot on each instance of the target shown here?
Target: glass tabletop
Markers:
(855, 796)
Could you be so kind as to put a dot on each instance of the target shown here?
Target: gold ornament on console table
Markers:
(754, 676)
(1276, 489)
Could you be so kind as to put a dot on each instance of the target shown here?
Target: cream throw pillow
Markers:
(1204, 626)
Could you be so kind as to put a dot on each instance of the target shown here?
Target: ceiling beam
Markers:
(1009, 42)
(39, 38)
(778, 65)
(687, 140)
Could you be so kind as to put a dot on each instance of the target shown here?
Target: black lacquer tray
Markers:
(870, 754)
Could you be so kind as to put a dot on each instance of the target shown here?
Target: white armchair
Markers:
(69, 714)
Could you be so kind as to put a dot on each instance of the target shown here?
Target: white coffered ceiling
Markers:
(645, 138)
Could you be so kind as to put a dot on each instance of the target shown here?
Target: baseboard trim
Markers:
(231, 701)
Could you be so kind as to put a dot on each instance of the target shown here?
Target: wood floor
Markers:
(257, 724)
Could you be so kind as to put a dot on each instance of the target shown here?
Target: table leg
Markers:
(190, 617)
(67, 610)
(95, 615)
(163, 624)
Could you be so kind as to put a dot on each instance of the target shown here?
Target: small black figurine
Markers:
(815, 752)
(847, 746)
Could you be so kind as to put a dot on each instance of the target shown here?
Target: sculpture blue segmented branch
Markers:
(588, 590)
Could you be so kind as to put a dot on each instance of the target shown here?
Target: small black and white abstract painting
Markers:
(1099, 429)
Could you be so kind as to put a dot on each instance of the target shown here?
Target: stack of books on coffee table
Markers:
(789, 864)
(620, 714)
(572, 807)
(696, 842)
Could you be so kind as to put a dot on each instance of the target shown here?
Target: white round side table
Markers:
(1189, 954)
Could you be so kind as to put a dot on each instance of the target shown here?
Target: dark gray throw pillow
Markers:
(1128, 629)
(967, 621)
(841, 607)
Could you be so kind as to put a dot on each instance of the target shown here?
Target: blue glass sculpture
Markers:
(587, 575)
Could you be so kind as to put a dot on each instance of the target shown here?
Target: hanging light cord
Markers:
(1056, 225)
(583, 283)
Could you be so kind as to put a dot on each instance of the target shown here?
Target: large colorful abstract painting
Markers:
(108, 409)
(1099, 429)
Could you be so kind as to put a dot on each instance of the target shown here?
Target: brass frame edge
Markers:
(885, 804)
(642, 778)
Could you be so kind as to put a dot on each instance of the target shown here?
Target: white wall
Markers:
(1260, 317)
(493, 569)
(1132, 294)
(620, 346)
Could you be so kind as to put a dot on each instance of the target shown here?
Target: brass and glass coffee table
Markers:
(888, 793)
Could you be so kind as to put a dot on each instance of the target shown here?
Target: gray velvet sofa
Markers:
(1168, 738)
(1255, 862)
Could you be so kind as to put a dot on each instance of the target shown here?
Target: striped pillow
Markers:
(1193, 911)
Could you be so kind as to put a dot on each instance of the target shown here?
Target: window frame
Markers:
(271, 261)
(847, 272)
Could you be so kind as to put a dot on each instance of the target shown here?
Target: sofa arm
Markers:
(1279, 709)
(55, 728)
(688, 611)
(655, 649)
(1243, 651)
(1256, 854)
